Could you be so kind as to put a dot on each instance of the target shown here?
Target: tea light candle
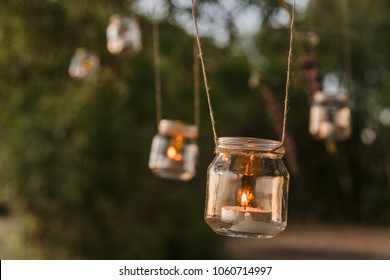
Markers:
(235, 214)
(231, 214)
(174, 149)
(248, 225)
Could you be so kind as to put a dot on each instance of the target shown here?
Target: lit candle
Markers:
(173, 150)
(244, 200)
(236, 214)
(173, 153)
(248, 225)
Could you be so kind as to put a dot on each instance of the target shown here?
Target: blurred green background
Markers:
(74, 178)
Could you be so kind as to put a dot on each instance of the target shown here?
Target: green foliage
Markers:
(74, 153)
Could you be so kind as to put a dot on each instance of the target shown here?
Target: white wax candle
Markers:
(235, 214)
(248, 225)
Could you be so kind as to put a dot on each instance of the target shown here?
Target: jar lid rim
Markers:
(175, 126)
(250, 144)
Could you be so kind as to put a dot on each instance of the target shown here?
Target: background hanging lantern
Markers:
(174, 150)
(330, 116)
(84, 65)
(247, 188)
(330, 113)
(123, 35)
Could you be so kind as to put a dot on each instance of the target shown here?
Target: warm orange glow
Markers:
(244, 200)
(172, 153)
(174, 148)
(245, 197)
(86, 65)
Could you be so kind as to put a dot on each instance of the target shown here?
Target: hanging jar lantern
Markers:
(123, 35)
(330, 116)
(330, 113)
(84, 65)
(247, 183)
(247, 188)
(174, 150)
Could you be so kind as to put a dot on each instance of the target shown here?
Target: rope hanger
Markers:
(157, 71)
(346, 43)
(289, 59)
(157, 77)
(346, 46)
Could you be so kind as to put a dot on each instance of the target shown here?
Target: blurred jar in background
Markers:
(330, 116)
(174, 151)
(123, 35)
(84, 65)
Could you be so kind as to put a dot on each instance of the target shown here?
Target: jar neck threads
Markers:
(249, 145)
(175, 127)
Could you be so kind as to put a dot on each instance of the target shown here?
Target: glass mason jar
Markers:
(330, 117)
(84, 65)
(123, 35)
(247, 188)
(174, 151)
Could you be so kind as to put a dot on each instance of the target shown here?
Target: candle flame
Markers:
(172, 153)
(173, 150)
(244, 200)
(86, 65)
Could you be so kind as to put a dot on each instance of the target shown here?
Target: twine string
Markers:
(157, 71)
(157, 75)
(206, 84)
(286, 98)
(289, 59)
(196, 87)
(346, 46)
(196, 83)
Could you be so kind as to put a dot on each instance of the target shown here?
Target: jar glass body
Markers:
(123, 35)
(330, 117)
(174, 151)
(247, 188)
